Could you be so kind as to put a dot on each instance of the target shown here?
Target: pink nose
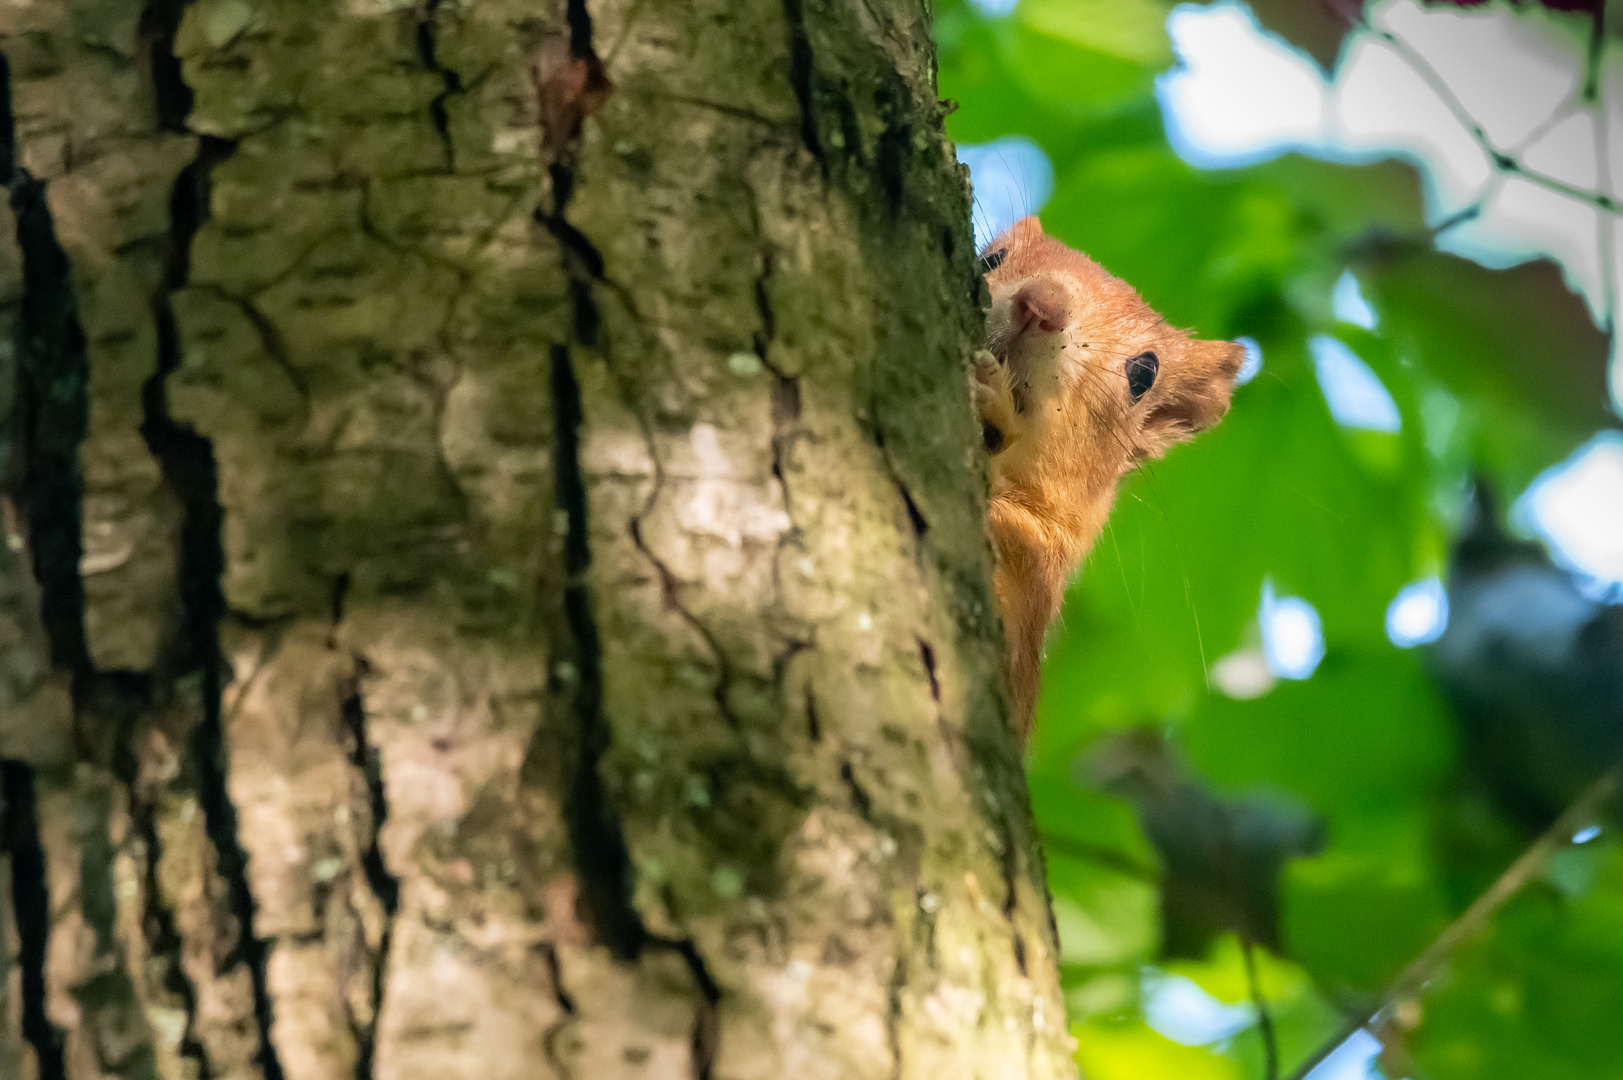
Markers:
(1041, 306)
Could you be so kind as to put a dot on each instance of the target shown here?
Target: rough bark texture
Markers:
(495, 582)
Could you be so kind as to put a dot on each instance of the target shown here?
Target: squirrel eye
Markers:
(992, 260)
(1141, 371)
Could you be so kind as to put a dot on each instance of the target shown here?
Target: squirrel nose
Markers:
(1040, 306)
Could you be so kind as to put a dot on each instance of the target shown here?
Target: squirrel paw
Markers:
(990, 383)
(994, 402)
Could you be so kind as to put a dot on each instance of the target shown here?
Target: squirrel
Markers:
(1079, 382)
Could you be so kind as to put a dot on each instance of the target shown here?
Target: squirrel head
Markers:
(1118, 384)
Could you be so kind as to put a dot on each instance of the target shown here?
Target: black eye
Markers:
(1141, 371)
(992, 260)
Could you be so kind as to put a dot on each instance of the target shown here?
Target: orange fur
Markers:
(1055, 398)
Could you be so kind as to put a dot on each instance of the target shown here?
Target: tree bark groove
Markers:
(495, 580)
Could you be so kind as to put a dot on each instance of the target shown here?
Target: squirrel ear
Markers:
(1026, 226)
(1196, 397)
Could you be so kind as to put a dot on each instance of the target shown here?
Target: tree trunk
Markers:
(495, 581)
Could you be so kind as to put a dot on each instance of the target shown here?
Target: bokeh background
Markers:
(1282, 709)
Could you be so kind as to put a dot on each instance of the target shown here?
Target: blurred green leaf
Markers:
(1131, 30)
(1106, 919)
(1515, 345)
(1131, 1051)
(1361, 738)
(1317, 29)
(1355, 920)
(1540, 997)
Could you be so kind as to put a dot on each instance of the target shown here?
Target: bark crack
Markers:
(669, 586)
(859, 794)
(802, 72)
(160, 20)
(786, 404)
(54, 406)
(438, 109)
(780, 680)
(270, 337)
(893, 1014)
(30, 907)
(818, 94)
(187, 463)
(915, 516)
(580, 30)
(566, 1012)
(367, 760)
(164, 940)
(1010, 864)
(601, 855)
(705, 1041)
(814, 725)
(8, 126)
(786, 411)
(584, 266)
(894, 151)
(927, 655)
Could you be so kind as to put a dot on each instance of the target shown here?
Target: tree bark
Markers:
(495, 581)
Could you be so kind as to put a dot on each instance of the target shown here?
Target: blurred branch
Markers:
(1265, 1018)
(1590, 94)
(1603, 158)
(1470, 213)
(1413, 978)
(1597, 49)
(1097, 853)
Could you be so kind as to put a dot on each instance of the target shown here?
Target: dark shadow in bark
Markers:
(30, 906)
(53, 403)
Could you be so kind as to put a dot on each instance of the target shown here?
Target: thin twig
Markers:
(1501, 160)
(1470, 213)
(1419, 971)
(1572, 105)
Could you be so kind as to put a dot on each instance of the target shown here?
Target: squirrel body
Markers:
(1079, 382)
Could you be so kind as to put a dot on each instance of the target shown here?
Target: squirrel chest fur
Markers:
(1079, 382)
